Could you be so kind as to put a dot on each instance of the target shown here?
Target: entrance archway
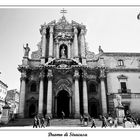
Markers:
(93, 107)
(63, 103)
(32, 110)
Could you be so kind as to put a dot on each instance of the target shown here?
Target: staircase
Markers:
(53, 122)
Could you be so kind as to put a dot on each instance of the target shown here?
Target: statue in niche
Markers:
(63, 53)
(26, 50)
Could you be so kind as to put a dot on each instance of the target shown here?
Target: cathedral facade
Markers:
(63, 75)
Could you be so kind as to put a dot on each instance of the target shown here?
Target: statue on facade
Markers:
(26, 50)
(100, 50)
(119, 100)
(63, 55)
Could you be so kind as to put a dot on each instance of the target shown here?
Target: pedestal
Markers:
(5, 115)
(120, 113)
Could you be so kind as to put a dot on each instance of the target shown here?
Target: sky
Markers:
(115, 29)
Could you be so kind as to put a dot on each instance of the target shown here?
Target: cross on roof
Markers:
(63, 11)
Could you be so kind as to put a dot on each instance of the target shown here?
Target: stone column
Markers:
(43, 44)
(51, 43)
(49, 93)
(22, 94)
(41, 93)
(56, 106)
(76, 56)
(83, 47)
(85, 95)
(103, 91)
(76, 95)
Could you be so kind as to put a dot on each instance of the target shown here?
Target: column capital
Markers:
(51, 29)
(82, 32)
(84, 75)
(102, 73)
(41, 75)
(76, 74)
(75, 30)
(23, 76)
(49, 75)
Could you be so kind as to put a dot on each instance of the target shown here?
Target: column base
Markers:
(76, 116)
(50, 58)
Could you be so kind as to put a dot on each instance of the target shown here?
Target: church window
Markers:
(120, 62)
(123, 87)
(92, 87)
(33, 87)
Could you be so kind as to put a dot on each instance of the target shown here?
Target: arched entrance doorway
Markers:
(32, 110)
(94, 108)
(63, 103)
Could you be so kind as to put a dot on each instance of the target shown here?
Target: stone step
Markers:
(53, 122)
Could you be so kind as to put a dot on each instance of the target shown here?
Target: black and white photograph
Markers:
(71, 69)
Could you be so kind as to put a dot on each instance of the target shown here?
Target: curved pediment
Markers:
(63, 63)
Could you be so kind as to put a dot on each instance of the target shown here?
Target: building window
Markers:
(33, 87)
(92, 87)
(120, 62)
(123, 87)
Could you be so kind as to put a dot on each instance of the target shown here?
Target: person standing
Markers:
(63, 115)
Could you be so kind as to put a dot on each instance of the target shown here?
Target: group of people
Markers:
(40, 121)
(109, 121)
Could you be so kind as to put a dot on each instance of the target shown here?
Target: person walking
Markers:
(81, 119)
(35, 122)
(104, 122)
(42, 122)
(93, 123)
(38, 121)
(48, 121)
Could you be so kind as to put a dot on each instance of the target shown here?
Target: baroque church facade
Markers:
(63, 75)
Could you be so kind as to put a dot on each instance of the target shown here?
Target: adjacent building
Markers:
(63, 75)
(3, 93)
(12, 99)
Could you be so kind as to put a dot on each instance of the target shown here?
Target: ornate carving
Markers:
(49, 75)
